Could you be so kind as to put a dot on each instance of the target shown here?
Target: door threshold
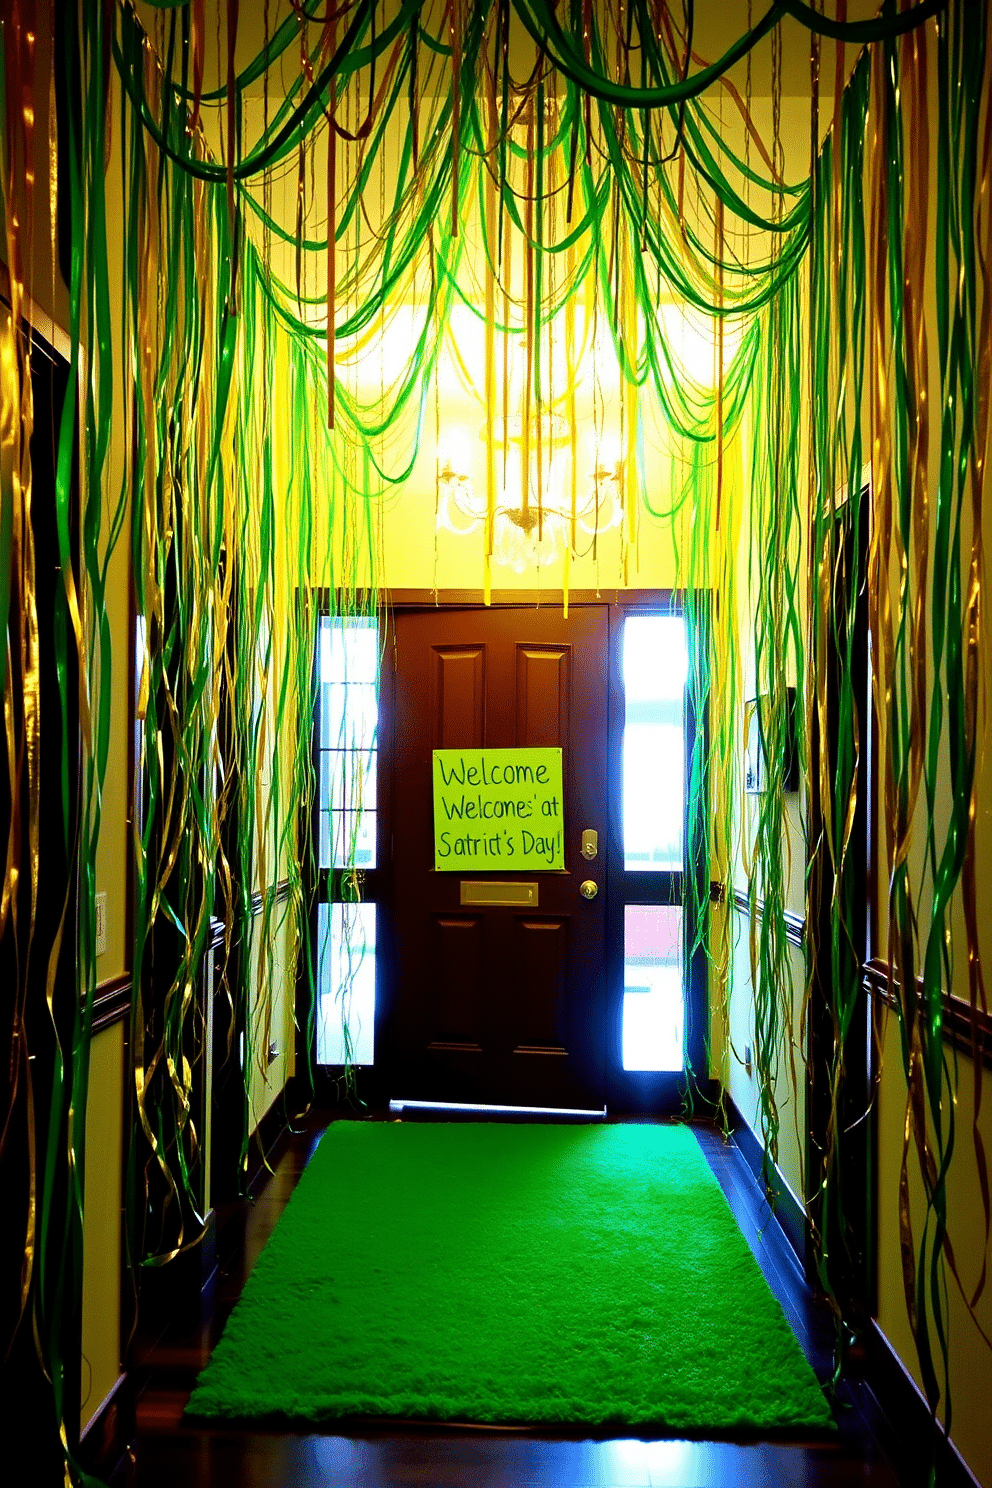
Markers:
(466, 1110)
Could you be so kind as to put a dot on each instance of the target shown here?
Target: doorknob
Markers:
(588, 890)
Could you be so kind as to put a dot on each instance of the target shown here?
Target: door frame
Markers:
(625, 1092)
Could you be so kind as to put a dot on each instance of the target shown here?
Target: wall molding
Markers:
(274, 895)
(795, 925)
(38, 319)
(112, 1001)
(957, 1019)
(905, 1409)
(545, 599)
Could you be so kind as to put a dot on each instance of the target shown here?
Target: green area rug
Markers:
(510, 1273)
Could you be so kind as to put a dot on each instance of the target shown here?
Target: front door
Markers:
(502, 1003)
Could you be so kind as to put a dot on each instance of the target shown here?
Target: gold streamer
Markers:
(837, 156)
(527, 411)
(913, 87)
(884, 541)
(198, 19)
(973, 651)
(456, 34)
(331, 258)
(490, 348)
(718, 252)
(630, 406)
(572, 421)
(21, 688)
(232, 40)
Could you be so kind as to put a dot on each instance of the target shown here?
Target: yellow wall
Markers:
(272, 1019)
(102, 1215)
(971, 1357)
(417, 558)
(103, 1195)
(742, 1084)
(114, 856)
(104, 1136)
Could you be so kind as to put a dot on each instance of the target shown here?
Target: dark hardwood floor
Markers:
(143, 1442)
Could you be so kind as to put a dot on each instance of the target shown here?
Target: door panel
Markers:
(543, 687)
(497, 1006)
(458, 676)
(541, 953)
(455, 1002)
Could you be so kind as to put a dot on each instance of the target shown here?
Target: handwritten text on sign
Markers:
(498, 808)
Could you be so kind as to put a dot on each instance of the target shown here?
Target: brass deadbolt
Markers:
(588, 890)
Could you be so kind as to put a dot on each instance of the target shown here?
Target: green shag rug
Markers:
(510, 1273)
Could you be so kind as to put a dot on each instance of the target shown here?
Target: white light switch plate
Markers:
(101, 924)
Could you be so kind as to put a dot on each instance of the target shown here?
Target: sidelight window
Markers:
(346, 825)
(653, 1000)
(346, 983)
(654, 669)
(655, 666)
(348, 722)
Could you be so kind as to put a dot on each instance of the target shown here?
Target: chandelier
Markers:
(535, 529)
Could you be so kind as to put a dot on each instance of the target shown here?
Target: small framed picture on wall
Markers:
(756, 774)
(753, 753)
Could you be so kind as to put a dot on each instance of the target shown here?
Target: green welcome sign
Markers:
(498, 809)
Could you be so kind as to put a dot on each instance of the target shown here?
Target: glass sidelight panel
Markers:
(345, 982)
(653, 997)
(347, 723)
(655, 668)
(348, 719)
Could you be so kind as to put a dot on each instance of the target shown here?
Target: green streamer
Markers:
(217, 355)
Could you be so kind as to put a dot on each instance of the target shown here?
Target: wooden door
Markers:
(499, 1005)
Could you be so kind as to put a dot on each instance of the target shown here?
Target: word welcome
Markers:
(487, 773)
(473, 787)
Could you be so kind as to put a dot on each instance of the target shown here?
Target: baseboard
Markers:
(906, 1422)
(903, 1405)
(208, 1248)
(166, 1293)
(786, 1207)
(174, 1289)
(424, 1110)
(266, 1137)
(92, 1430)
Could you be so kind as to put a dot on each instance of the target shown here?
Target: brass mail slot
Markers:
(523, 895)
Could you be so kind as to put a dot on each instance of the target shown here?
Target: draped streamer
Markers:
(579, 194)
